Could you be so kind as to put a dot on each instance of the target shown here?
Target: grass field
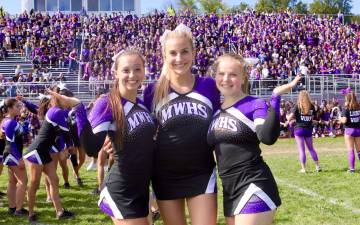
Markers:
(327, 198)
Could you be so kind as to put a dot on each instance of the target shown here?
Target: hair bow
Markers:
(42, 96)
(62, 86)
(346, 91)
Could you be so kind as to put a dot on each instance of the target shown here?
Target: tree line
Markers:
(297, 6)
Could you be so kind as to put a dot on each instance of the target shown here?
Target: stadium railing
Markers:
(320, 86)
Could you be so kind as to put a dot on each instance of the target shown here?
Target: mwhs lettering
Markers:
(138, 118)
(224, 123)
(183, 108)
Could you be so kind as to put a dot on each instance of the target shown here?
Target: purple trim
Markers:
(81, 118)
(57, 115)
(10, 162)
(52, 151)
(255, 205)
(105, 207)
(353, 132)
(206, 86)
(275, 103)
(100, 113)
(252, 107)
(303, 132)
(31, 106)
(32, 158)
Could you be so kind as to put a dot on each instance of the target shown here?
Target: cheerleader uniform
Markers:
(126, 187)
(235, 133)
(13, 142)
(2, 147)
(303, 133)
(352, 125)
(53, 126)
(184, 164)
(304, 122)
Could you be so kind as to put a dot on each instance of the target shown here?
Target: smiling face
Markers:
(179, 55)
(130, 71)
(230, 77)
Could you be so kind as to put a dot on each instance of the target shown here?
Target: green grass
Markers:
(332, 192)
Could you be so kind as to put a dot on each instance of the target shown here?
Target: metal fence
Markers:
(320, 86)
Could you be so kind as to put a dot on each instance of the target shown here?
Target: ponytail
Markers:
(44, 106)
(162, 88)
(118, 114)
(115, 103)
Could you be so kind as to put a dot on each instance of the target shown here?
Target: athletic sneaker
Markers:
(351, 170)
(79, 182)
(318, 169)
(91, 166)
(96, 191)
(48, 199)
(21, 212)
(66, 185)
(302, 171)
(32, 218)
(11, 211)
(65, 215)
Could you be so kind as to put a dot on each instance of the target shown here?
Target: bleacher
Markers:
(81, 89)
(319, 86)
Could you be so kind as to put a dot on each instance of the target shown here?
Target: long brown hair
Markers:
(162, 87)
(243, 68)
(351, 102)
(304, 102)
(44, 106)
(115, 98)
(8, 103)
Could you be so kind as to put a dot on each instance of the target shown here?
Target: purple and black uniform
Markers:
(54, 125)
(235, 133)
(59, 143)
(126, 187)
(304, 122)
(303, 133)
(352, 125)
(2, 148)
(13, 142)
(184, 164)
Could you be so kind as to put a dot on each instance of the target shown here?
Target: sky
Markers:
(14, 6)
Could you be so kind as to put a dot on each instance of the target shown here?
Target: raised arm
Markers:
(269, 130)
(91, 133)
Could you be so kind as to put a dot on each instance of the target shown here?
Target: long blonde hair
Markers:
(115, 97)
(162, 87)
(243, 68)
(351, 101)
(304, 102)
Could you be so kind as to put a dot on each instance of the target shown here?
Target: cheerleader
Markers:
(249, 190)
(304, 113)
(130, 127)
(39, 157)
(184, 166)
(12, 156)
(350, 117)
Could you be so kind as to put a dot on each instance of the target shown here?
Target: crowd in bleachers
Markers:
(284, 43)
